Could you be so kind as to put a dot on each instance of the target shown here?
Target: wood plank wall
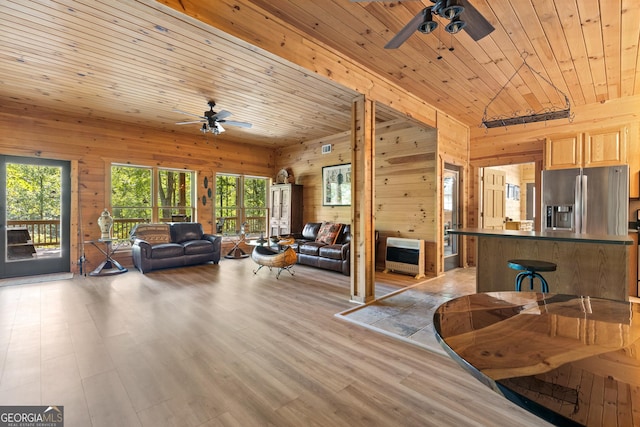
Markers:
(305, 161)
(32, 132)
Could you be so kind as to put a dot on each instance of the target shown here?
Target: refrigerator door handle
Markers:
(585, 193)
(577, 211)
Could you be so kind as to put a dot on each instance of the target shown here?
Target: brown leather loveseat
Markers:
(325, 245)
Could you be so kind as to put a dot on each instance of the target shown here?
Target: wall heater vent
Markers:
(405, 256)
(326, 149)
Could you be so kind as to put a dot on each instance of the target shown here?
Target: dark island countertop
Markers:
(559, 236)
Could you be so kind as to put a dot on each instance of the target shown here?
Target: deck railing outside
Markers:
(255, 225)
(43, 233)
(46, 233)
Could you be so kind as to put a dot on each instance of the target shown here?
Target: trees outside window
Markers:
(241, 200)
(33, 199)
(33, 192)
(131, 196)
(134, 200)
(175, 194)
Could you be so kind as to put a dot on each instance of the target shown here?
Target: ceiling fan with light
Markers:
(460, 14)
(212, 121)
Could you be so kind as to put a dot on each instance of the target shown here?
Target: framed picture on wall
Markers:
(336, 185)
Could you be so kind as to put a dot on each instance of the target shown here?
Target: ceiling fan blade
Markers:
(233, 123)
(191, 122)
(408, 29)
(188, 114)
(477, 25)
(223, 114)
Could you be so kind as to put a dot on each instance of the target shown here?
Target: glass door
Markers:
(35, 200)
(450, 207)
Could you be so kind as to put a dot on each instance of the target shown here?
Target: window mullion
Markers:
(155, 182)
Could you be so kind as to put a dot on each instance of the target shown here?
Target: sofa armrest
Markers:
(141, 254)
(143, 246)
(346, 248)
(213, 239)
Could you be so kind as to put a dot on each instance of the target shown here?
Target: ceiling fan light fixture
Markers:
(217, 128)
(452, 10)
(455, 26)
(428, 24)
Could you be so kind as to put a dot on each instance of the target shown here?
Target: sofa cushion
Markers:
(185, 231)
(331, 251)
(195, 247)
(167, 250)
(154, 234)
(328, 233)
(310, 230)
(310, 248)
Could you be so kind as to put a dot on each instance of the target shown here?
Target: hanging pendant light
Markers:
(428, 24)
(452, 10)
(455, 26)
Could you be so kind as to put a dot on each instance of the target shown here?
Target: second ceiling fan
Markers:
(460, 13)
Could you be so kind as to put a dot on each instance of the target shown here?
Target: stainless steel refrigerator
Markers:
(586, 200)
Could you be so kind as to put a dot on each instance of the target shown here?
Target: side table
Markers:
(109, 266)
(236, 252)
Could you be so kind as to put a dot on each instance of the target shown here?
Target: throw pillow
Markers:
(155, 234)
(328, 233)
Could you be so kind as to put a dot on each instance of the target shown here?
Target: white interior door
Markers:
(493, 199)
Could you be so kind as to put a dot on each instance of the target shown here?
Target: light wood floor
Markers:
(218, 346)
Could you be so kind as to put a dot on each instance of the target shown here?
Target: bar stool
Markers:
(529, 268)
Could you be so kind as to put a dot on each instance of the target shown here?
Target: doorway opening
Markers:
(451, 215)
(508, 197)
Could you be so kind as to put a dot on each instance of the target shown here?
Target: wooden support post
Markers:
(363, 269)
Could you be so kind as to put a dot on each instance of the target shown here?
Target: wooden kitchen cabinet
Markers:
(606, 147)
(285, 213)
(563, 152)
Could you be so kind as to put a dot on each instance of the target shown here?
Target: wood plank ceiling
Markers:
(135, 61)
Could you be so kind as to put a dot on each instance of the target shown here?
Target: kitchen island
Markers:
(587, 264)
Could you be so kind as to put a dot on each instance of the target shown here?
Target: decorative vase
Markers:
(105, 222)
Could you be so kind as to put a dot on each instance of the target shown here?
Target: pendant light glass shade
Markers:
(455, 26)
(428, 25)
(452, 10)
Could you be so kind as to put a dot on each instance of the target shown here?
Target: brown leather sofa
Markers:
(175, 244)
(335, 257)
